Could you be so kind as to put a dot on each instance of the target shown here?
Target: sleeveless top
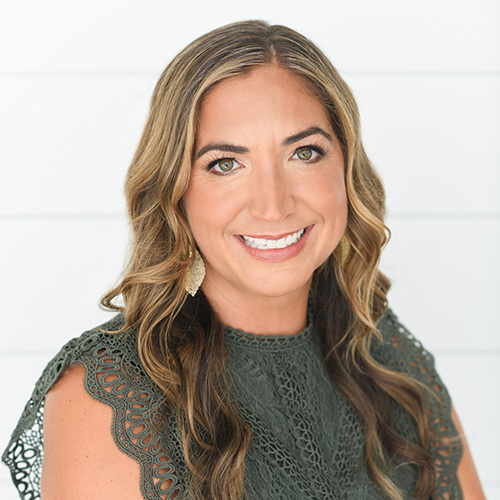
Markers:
(307, 440)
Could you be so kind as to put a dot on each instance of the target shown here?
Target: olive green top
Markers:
(307, 440)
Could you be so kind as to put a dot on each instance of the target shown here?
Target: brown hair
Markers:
(180, 339)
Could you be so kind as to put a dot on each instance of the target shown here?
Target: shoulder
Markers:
(93, 411)
(86, 350)
(104, 336)
(89, 344)
(92, 463)
(108, 356)
(400, 350)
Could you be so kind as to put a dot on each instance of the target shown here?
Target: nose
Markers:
(272, 194)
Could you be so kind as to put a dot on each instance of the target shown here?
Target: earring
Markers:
(195, 274)
(342, 250)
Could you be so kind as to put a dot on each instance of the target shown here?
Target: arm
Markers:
(81, 459)
(467, 474)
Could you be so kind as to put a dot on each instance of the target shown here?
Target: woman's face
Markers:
(266, 199)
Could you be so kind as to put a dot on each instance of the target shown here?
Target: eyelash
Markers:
(316, 148)
(218, 159)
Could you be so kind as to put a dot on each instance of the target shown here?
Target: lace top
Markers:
(307, 441)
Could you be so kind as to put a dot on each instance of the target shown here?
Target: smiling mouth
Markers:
(272, 244)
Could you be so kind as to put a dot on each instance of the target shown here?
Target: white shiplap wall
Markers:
(75, 81)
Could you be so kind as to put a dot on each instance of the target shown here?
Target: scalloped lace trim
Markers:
(447, 444)
(113, 376)
(284, 396)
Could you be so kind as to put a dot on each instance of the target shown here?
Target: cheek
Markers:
(336, 208)
(194, 203)
(208, 211)
(340, 196)
(329, 194)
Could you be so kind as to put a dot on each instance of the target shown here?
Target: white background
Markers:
(75, 83)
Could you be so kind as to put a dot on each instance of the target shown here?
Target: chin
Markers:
(277, 289)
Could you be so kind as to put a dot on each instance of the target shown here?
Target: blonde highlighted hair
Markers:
(180, 339)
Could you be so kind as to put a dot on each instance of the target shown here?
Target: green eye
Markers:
(304, 153)
(226, 165)
(308, 154)
(223, 166)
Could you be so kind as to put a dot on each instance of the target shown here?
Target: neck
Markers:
(282, 315)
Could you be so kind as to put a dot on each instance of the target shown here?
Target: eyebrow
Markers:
(232, 148)
(306, 133)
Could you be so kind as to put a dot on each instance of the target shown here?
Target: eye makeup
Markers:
(229, 165)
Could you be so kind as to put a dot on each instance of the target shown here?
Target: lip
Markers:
(274, 236)
(276, 254)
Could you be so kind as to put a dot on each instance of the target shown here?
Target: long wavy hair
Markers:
(181, 340)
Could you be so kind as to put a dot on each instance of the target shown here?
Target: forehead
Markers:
(268, 97)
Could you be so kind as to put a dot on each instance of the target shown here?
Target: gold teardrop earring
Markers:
(342, 250)
(195, 274)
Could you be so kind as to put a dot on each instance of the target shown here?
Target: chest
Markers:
(307, 441)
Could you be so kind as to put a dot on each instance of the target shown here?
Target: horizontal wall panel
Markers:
(445, 275)
(362, 35)
(71, 139)
(473, 384)
(434, 141)
(54, 273)
(70, 142)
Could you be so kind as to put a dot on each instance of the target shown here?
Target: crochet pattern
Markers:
(307, 441)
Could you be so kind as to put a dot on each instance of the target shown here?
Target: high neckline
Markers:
(237, 337)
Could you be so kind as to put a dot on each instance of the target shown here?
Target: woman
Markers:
(252, 205)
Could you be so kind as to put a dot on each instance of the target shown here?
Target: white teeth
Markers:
(281, 243)
(263, 244)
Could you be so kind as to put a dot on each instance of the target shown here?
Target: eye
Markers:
(307, 153)
(223, 166)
